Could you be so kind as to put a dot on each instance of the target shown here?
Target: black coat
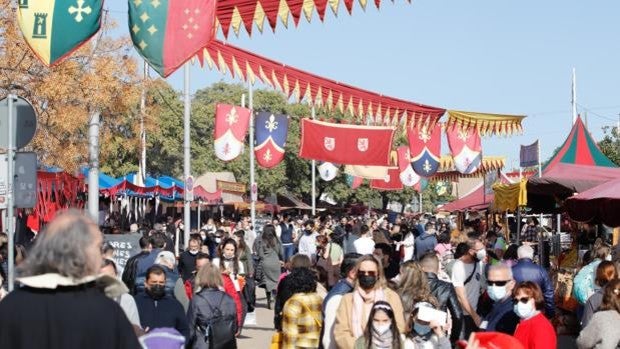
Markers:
(64, 318)
(446, 296)
(187, 265)
(166, 312)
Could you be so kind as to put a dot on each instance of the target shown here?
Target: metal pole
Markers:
(420, 194)
(198, 218)
(9, 192)
(142, 129)
(93, 171)
(186, 155)
(313, 175)
(252, 179)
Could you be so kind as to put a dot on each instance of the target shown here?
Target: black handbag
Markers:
(220, 332)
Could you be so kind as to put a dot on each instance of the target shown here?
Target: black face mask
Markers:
(367, 281)
(156, 291)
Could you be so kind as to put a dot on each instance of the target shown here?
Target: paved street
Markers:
(258, 336)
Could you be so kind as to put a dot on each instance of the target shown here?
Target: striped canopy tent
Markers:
(577, 166)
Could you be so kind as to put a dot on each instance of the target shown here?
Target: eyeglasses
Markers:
(523, 300)
(366, 272)
(497, 283)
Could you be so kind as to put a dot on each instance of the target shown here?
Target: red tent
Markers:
(599, 204)
(477, 199)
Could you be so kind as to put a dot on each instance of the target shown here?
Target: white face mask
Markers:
(497, 293)
(481, 254)
(608, 258)
(524, 311)
(381, 329)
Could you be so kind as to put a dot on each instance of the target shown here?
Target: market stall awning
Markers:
(477, 199)
(600, 204)
(485, 123)
(320, 91)
(447, 171)
(563, 180)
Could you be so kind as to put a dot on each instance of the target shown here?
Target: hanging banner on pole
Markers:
(529, 156)
(425, 148)
(271, 133)
(466, 148)
(231, 125)
(328, 171)
(55, 28)
(168, 33)
(189, 188)
(346, 144)
(407, 175)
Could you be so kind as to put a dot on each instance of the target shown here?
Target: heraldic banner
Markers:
(466, 148)
(328, 171)
(346, 144)
(407, 175)
(167, 33)
(55, 28)
(425, 149)
(231, 125)
(271, 133)
(390, 182)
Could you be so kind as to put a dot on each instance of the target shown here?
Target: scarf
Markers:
(382, 341)
(362, 303)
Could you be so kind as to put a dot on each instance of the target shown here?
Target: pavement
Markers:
(258, 336)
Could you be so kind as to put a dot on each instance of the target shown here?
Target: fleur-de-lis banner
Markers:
(465, 147)
(55, 28)
(231, 125)
(407, 175)
(168, 33)
(425, 149)
(271, 134)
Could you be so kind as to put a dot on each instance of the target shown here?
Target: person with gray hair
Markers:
(60, 293)
(500, 284)
(527, 270)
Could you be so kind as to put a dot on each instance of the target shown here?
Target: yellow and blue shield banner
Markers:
(55, 28)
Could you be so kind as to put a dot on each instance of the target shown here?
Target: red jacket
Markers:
(536, 333)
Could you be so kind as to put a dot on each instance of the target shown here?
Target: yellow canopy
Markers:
(510, 196)
(487, 124)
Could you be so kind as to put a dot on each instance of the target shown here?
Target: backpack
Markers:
(219, 332)
(583, 284)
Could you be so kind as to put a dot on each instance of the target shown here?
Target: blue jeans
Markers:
(289, 251)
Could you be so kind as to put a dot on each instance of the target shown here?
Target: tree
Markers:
(610, 144)
(99, 76)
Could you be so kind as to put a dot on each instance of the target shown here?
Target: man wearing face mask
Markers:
(499, 288)
(466, 275)
(187, 260)
(157, 309)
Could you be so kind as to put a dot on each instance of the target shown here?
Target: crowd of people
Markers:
(332, 282)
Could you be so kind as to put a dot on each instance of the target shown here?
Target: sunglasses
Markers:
(523, 300)
(366, 272)
(497, 283)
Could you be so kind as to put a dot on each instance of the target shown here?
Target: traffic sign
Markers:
(25, 182)
(24, 122)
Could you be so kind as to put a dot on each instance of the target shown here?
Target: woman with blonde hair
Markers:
(413, 285)
(355, 307)
(210, 303)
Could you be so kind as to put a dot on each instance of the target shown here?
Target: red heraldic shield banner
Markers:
(466, 148)
(231, 125)
(391, 182)
(407, 175)
(346, 144)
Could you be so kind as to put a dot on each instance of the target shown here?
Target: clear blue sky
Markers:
(488, 56)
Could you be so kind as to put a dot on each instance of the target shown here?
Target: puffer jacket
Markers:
(527, 270)
(448, 302)
(201, 307)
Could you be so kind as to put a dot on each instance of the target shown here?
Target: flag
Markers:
(367, 172)
(55, 28)
(407, 175)
(390, 182)
(425, 149)
(346, 144)
(465, 147)
(271, 133)
(328, 171)
(168, 33)
(354, 182)
(529, 155)
(231, 125)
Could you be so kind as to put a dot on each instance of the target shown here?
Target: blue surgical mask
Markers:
(496, 293)
(422, 330)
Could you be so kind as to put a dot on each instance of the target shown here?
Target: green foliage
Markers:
(610, 144)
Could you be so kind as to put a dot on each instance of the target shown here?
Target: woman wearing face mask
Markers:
(232, 271)
(381, 331)
(355, 307)
(534, 331)
(602, 330)
(425, 334)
